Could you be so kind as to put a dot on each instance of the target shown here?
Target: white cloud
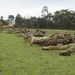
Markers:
(32, 7)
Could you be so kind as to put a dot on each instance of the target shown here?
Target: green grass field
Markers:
(17, 57)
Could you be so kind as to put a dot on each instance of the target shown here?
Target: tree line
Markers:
(62, 19)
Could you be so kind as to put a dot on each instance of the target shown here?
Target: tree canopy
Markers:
(62, 19)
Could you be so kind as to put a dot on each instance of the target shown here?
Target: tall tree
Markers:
(18, 21)
(44, 11)
(11, 17)
(63, 19)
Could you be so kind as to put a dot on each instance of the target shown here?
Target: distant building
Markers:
(10, 24)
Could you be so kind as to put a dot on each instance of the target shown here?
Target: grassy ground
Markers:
(17, 57)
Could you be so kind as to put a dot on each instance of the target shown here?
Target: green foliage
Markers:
(18, 21)
(17, 57)
(62, 19)
(11, 17)
(44, 11)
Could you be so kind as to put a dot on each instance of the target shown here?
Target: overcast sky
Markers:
(27, 8)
